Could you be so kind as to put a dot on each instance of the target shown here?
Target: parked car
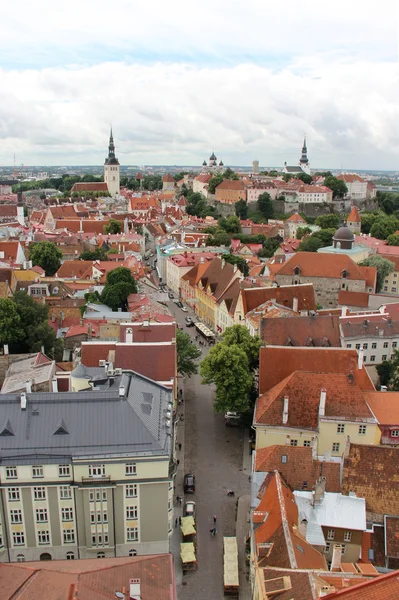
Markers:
(171, 296)
(189, 509)
(189, 322)
(232, 419)
(184, 308)
(178, 303)
(189, 484)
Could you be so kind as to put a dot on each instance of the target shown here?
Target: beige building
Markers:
(231, 191)
(87, 474)
(112, 169)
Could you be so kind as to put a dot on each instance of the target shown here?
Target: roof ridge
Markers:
(284, 522)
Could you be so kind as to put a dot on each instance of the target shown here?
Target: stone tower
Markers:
(112, 169)
(304, 161)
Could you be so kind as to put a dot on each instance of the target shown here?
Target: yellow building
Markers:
(322, 410)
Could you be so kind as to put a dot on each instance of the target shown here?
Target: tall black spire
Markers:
(111, 160)
(304, 157)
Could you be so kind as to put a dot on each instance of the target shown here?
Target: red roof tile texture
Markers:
(301, 331)
(347, 298)
(313, 264)
(284, 295)
(385, 587)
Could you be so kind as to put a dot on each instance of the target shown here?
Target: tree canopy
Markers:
(11, 329)
(265, 205)
(328, 221)
(47, 256)
(384, 268)
(241, 263)
(393, 240)
(119, 284)
(219, 238)
(230, 224)
(310, 244)
(113, 227)
(337, 186)
(187, 354)
(241, 209)
(270, 246)
(97, 254)
(384, 226)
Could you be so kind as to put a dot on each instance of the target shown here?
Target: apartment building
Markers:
(87, 474)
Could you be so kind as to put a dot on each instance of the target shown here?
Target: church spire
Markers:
(111, 146)
(304, 157)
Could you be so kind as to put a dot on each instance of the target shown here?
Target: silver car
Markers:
(189, 509)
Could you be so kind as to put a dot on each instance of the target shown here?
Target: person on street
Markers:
(176, 522)
(179, 445)
(214, 519)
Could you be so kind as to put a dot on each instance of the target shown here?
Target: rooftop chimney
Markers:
(129, 336)
(121, 391)
(23, 401)
(54, 385)
(303, 524)
(344, 311)
(322, 405)
(89, 331)
(285, 411)
(135, 589)
(28, 386)
(295, 304)
(360, 358)
(319, 490)
(336, 557)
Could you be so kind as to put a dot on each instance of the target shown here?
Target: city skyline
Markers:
(247, 82)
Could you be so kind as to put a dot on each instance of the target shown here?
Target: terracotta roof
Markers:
(372, 473)
(385, 406)
(88, 579)
(299, 467)
(203, 178)
(63, 211)
(195, 274)
(295, 218)
(75, 268)
(351, 178)
(8, 210)
(164, 332)
(301, 331)
(90, 187)
(344, 400)
(231, 295)
(92, 353)
(314, 264)
(155, 361)
(354, 326)
(278, 515)
(347, 298)
(354, 216)
(277, 362)
(284, 295)
(217, 276)
(301, 582)
(168, 178)
(384, 587)
(231, 184)
(10, 250)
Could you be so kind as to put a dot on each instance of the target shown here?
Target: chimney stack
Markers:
(89, 331)
(360, 358)
(23, 401)
(285, 411)
(322, 405)
(303, 524)
(344, 311)
(319, 490)
(28, 387)
(54, 385)
(295, 304)
(336, 557)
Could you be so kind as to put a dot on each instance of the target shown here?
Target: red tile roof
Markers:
(277, 363)
(168, 178)
(90, 187)
(301, 331)
(347, 298)
(284, 295)
(351, 178)
(75, 268)
(231, 184)
(295, 218)
(354, 216)
(153, 332)
(384, 587)
(314, 264)
(156, 361)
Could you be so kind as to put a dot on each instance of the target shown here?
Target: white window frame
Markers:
(39, 493)
(16, 516)
(68, 536)
(97, 470)
(37, 472)
(131, 468)
(41, 515)
(347, 536)
(395, 433)
(331, 534)
(132, 534)
(132, 513)
(131, 490)
(64, 470)
(14, 492)
(66, 514)
(341, 428)
(294, 443)
(11, 473)
(65, 492)
(335, 447)
(45, 535)
(18, 538)
(362, 429)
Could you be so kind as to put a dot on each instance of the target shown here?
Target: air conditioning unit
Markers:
(102, 363)
(111, 372)
(118, 371)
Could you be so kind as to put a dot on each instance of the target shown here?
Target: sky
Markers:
(179, 79)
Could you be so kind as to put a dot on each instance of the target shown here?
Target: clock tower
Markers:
(112, 169)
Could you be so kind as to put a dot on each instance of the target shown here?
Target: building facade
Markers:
(87, 474)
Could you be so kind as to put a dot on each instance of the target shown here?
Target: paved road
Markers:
(214, 453)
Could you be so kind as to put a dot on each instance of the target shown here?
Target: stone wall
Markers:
(326, 288)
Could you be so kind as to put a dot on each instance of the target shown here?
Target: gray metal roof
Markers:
(98, 422)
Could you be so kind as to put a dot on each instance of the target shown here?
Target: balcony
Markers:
(96, 481)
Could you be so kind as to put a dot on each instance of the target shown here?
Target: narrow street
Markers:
(214, 454)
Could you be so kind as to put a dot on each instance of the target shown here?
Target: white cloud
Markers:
(178, 80)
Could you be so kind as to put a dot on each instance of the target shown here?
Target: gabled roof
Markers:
(217, 276)
(354, 216)
(351, 178)
(302, 331)
(168, 178)
(278, 514)
(299, 467)
(384, 587)
(97, 186)
(277, 362)
(344, 400)
(314, 264)
(284, 295)
(372, 473)
(231, 184)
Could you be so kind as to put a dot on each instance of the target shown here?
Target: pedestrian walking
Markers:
(176, 522)
(177, 499)
(180, 500)
(179, 444)
(179, 520)
(214, 519)
(178, 462)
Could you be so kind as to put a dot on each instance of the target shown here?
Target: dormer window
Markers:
(344, 273)
(297, 271)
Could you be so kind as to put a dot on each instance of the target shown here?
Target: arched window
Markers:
(297, 271)
(132, 552)
(20, 558)
(100, 554)
(344, 273)
(70, 555)
(338, 245)
(45, 556)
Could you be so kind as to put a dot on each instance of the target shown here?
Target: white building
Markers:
(357, 186)
(112, 169)
(314, 194)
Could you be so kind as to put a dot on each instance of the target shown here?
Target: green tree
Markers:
(233, 259)
(384, 268)
(337, 186)
(305, 178)
(328, 221)
(325, 235)
(97, 254)
(241, 209)
(302, 231)
(214, 182)
(113, 226)
(187, 354)
(228, 368)
(239, 335)
(231, 224)
(393, 240)
(265, 205)
(119, 284)
(368, 219)
(219, 238)
(383, 227)
(310, 244)
(11, 330)
(386, 371)
(269, 248)
(47, 256)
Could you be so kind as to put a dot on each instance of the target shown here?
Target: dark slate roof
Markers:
(86, 423)
(294, 169)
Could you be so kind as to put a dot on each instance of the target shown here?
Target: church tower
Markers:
(20, 208)
(304, 161)
(111, 169)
